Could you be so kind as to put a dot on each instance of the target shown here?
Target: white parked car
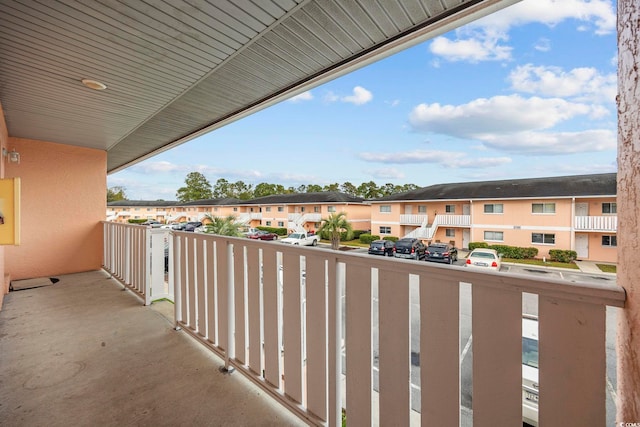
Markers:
(484, 258)
(530, 383)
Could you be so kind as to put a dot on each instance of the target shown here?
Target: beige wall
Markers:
(63, 200)
(4, 140)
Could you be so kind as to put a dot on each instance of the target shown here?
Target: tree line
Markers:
(197, 187)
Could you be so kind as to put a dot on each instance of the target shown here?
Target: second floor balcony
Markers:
(596, 223)
(322, 331)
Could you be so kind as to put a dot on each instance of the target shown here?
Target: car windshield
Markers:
(530, 352)
(483, 255)
(295, 235)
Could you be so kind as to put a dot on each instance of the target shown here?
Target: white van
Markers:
(530, 383)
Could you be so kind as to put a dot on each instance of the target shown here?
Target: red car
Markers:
(263, 235)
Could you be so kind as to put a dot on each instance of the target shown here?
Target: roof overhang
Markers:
(174, 71)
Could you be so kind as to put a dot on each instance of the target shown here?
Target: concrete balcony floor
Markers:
(83, 352)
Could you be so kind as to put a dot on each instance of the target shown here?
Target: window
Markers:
(280, 209)
(331, 208)
(543, 238)
(452, 209)
(302, 209)
(148, 209)
(543, 208)
(494, 208)
(385, 208)
(280, 224)
(268, 208)
(450, 232)
(496, 236)
(268, 223)
(609, 208)
(422, 209)
(235, 209)
(385, 230)
(609, 240)
(215, 209)
(316, 209)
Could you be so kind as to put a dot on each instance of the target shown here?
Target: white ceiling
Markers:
(176, 69)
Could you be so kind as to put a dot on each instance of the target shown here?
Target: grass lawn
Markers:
(607, 268)
(569, 265)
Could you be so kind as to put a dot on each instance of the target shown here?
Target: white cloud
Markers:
(600, 14)
(444, 158)
(360, 96)
(543, 45)
(484, 39)
(388, 173)
(156, 167)
(584, 84)
(304, 96)
(482, 48)
(500, 114)
(552, 143)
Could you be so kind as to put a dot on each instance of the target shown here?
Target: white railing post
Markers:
(148, 255)
(230, 350)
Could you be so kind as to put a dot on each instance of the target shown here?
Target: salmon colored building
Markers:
(572, 212)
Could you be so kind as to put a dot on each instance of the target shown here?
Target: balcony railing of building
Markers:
(428, 231)
(596, 223)
(410, 219)
(287, 317)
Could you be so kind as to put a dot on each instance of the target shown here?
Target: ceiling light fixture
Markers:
(93, 84)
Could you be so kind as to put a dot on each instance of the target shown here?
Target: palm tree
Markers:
(223, 226)
(334, 225)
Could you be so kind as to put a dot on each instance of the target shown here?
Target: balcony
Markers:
(319, 329)
(408, 219)
(607, 223)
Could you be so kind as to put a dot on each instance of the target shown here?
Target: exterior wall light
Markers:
(93, 84)
(12, 156)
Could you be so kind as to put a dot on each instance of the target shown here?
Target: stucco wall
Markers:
(4, 139)
(63, 200)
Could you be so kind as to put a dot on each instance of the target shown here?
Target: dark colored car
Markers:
(192, 225)
(382, 247)
(441, 252)
(410, 248)
(263, 235)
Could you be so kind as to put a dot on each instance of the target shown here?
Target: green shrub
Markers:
(563, 255)
(392, 238)
(358, 233)
(474, 245)
(515, 252)
(277, 230)
(137, 221)
(368, 238)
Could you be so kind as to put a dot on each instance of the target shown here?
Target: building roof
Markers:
(561, 186)
(145, 203)
(226, 201)
(302, 198)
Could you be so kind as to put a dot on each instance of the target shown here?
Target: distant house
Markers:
(124, 210)
(569, 212)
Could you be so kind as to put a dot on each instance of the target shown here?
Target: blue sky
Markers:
(526, 92)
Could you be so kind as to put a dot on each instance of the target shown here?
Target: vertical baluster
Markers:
(316, 333)
(394, 348)
(439, 351)
(358, 345)
(497, 357)
(292, 326)
(255, 313)
(271, 323)
(239, 300)
(572, 363)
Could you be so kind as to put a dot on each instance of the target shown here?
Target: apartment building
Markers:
(569, 212)
(298, 211)
(124, 210)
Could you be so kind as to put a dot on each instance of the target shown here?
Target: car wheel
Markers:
(450, 260)
(315, 243)
(275, 238)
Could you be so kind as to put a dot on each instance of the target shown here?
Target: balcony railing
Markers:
(596, 223)
(305, 323)
(408, 219)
